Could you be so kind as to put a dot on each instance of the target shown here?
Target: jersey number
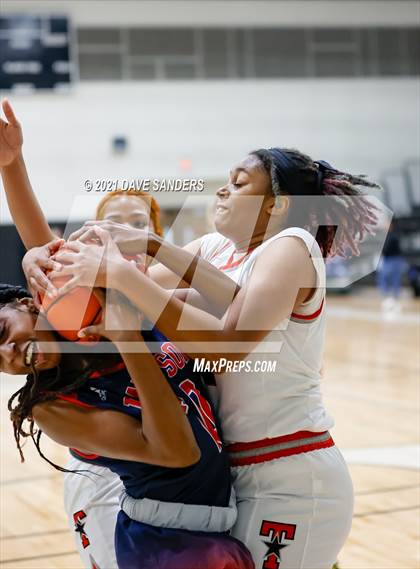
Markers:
(131, 398)
(204, 410)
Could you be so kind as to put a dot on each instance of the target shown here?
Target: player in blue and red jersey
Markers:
(158, 434)
(92, 500)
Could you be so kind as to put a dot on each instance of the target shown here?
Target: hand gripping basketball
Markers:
(71, 310)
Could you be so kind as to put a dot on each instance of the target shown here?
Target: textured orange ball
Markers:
(72, 311)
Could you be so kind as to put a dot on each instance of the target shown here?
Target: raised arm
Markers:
(23, 204)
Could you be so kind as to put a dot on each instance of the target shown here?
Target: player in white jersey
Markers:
(294, 492)
(277, 218)
(277, 428)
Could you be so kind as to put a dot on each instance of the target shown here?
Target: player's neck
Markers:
(245, 245)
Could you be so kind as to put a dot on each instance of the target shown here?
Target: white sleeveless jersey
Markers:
(257, 405)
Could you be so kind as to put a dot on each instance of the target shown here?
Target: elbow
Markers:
(188, 459)
(192, 457)
(183, 459)
(40, 414)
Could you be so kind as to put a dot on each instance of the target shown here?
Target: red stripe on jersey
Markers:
(85, 455)
(72, 398)
(280, 453)
(219, 250)
(239, 447)
(309, 316)
(99, 373)
(231, 264)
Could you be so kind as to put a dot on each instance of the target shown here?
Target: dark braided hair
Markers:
(72, 372)
(296, 174)
(11, 293)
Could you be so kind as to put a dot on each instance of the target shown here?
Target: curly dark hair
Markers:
(72, 372)
(357, 214)
(11, 293)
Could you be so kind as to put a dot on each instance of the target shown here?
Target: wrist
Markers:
(120, 274)
(128, 336)
(126, 339)
(17, 160)
(154, 243)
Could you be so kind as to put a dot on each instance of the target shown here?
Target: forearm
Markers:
(105, 432)
(23, 204)
(217, 288)
(196, 332)
(194, 298)
(165, 426)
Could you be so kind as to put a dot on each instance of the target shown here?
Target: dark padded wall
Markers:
(11, 253)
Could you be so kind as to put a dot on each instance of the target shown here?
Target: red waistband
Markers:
(242, 454)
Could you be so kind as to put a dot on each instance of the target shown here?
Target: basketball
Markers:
(78, 308)
(72, 311)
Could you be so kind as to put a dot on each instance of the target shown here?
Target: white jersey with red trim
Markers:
(256, 405)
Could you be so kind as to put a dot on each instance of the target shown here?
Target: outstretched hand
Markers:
(11, 137)
(36, 262)
(87, 264)
(130, 240)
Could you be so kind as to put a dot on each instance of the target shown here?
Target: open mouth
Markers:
(31, 354)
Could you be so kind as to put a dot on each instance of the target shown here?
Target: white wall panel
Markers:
(360, 125)
(227, 13)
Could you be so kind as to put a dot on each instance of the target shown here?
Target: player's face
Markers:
(128, 210)
(244, 202)
(21, 345)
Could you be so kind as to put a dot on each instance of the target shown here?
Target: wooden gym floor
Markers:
(371, 387)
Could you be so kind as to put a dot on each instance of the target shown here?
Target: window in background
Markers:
(218, 53)
(161, 42)
(143, 70)
(334, 52)
(100, 66)
(100, 54)
(241, 53)
(280, 53)
(162, 54)
(412, 46)
(390, 52)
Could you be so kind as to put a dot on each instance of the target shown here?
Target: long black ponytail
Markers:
(295, 174)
